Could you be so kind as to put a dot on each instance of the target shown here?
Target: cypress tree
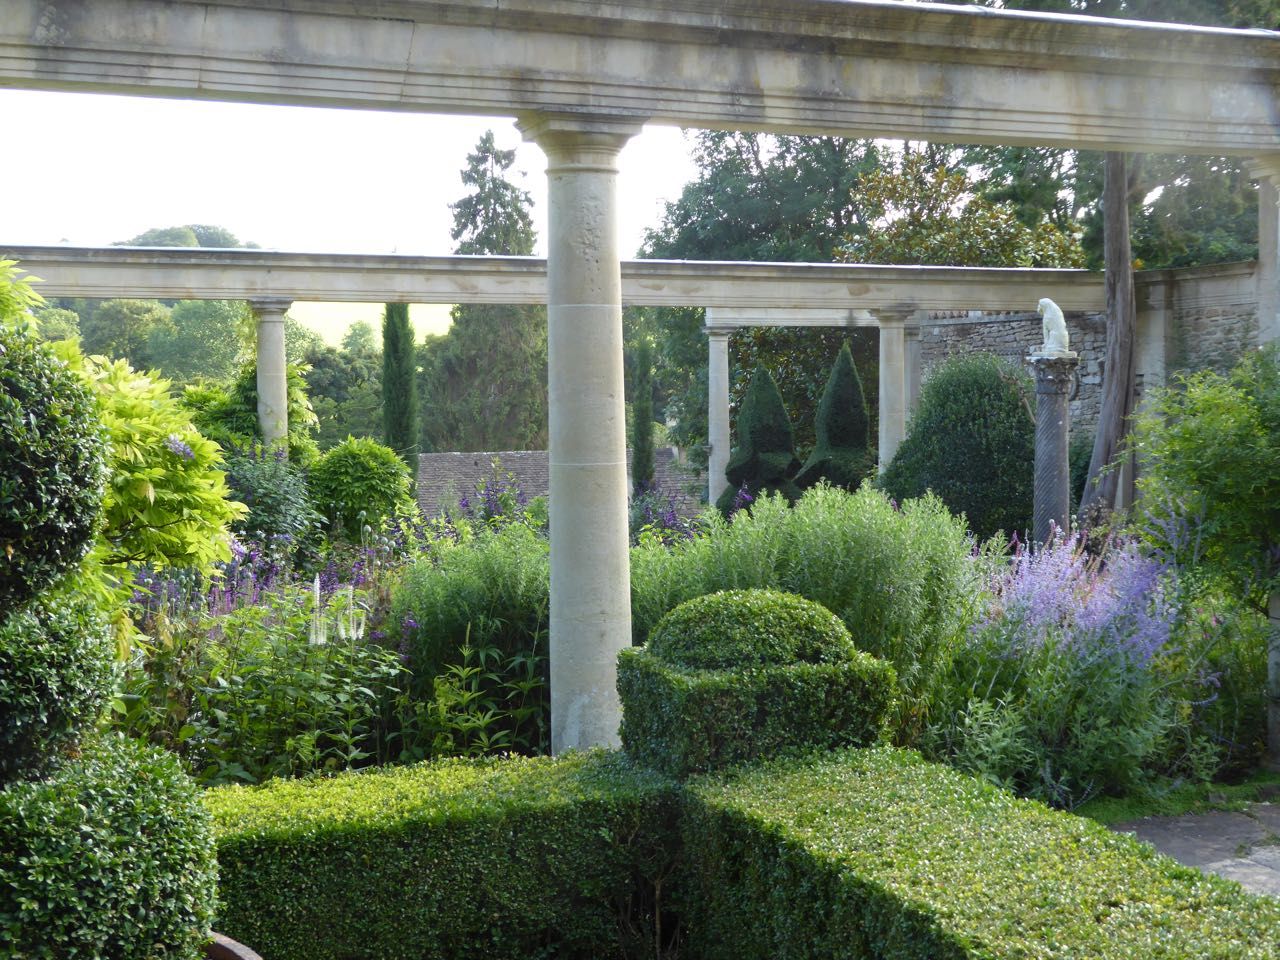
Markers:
(841, 455)
(764, 461)
(642, 420)
(399, 387)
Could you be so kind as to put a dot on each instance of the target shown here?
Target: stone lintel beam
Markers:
(273, 387)
(854, 69)
(590, 572)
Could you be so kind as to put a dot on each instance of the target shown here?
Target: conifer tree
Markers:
(841, 455)
(764, 460)
(642, 420)
(399, 383)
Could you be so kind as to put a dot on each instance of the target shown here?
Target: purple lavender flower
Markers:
(180, 447)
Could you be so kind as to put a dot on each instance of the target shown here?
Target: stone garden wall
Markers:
(1189, 319)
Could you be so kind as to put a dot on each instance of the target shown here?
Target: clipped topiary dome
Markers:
(54, 466)
(736, 628)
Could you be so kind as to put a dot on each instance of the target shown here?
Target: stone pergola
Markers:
(583, 77)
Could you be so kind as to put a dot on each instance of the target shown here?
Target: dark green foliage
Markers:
(875, 853)
(1079, 450)
(509, 859)
(124, 330)
(838, 549)
(359, 482)
(842, 455)
(111, 858)
(57, 666)
(52, 466)
(739, 628)
(642, 420)
(492, 591)
(276, 492)
(399, 384)
(229, 415)
(972, 442)
(743, 674)
(684, 721)
(764, 457)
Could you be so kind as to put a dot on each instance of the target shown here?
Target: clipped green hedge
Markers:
(519, 858)
(110, 858)
(57, 669)
(741, 674)
(53, 466)
(734, 628)
(876, 853)
(684, 721)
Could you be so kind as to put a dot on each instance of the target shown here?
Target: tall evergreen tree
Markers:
(764, 458)
(485, 381)
(642, 420)
(842, 454)
(399, 384)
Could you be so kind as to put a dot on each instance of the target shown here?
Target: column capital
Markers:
(895, 316)
(1264, 166)
(264, 307)
(579, 141)
(1053, 374)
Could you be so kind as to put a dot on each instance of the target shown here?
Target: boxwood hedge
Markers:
(519, 858)
(876, 853)
(741, 674)
(110, 857)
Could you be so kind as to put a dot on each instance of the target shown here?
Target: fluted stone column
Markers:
(1267, 172)
(590, 578)
(717, 412)
(893, 382)
(1052, 497)
(273, 387)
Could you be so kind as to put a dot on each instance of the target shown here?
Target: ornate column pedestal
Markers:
(590, 573)
(273, 386)
(1052, 500)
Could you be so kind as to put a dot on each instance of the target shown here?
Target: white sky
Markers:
(90, 169)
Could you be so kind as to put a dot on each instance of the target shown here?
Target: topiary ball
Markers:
(359, 482)
(52, 448)
(57, 665)
(112, 857)
(736, 628)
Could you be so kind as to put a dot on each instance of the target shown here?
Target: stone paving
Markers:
(1243, 846)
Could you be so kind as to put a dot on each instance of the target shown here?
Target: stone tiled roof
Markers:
(445, 477)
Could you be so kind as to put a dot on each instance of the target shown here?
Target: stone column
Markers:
(273, 389)
(1266, 170)
(1052, 486)
(590, 575)
(893, 382)
(913, 360)
(717, 412)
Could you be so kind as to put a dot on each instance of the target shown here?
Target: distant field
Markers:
(331, 320)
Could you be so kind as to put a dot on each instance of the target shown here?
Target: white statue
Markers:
(1056, 341)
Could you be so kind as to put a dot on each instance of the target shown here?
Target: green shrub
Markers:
(682, 721)
(359, 482)
(275, 491)
(842, 455)
(739, 628)
(228, 413)
(875, 853)
(972, 442)
(492, 590)
(111, 858)
(763, 459)
(902, 581)
(54, 465)
(57, 666)
(513, 859)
